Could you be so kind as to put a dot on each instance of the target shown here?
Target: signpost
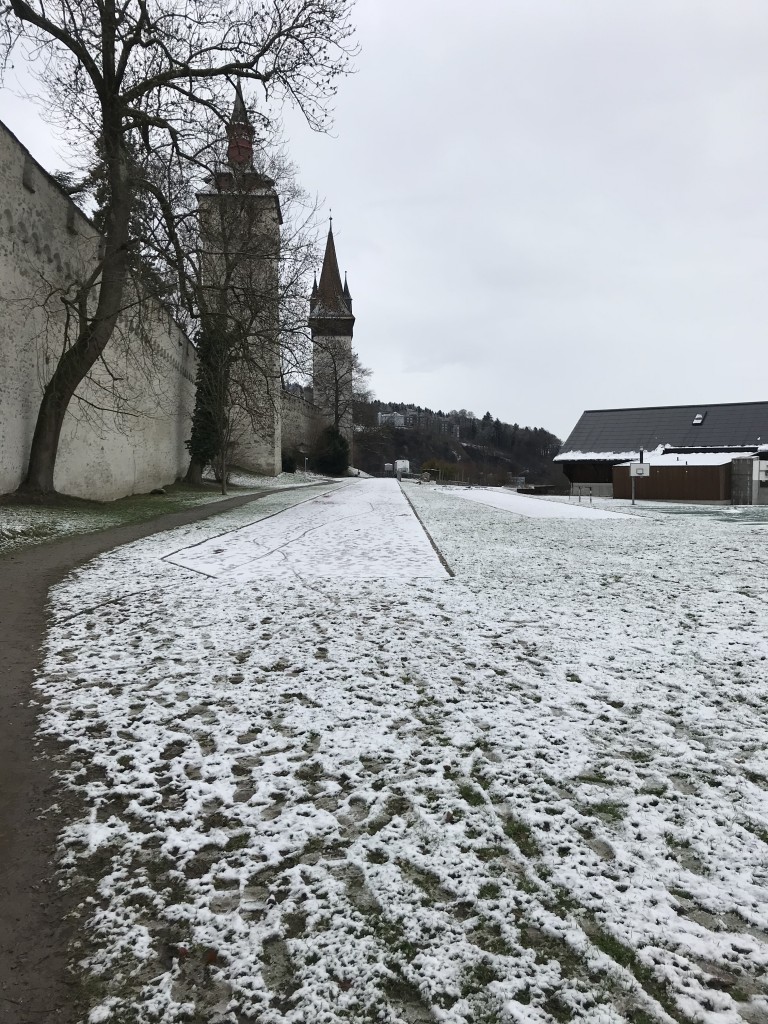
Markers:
(637, 469)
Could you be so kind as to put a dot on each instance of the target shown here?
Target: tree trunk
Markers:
(223, 468)
(45, 443)
(195, 472)
(71, 371)
(94, 331)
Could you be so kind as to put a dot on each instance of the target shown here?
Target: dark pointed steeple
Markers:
(347, 294)
(239, 113)
(330, 311)
(240, 133)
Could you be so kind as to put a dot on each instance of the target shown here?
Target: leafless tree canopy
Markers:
(340, 380)
(144, 87)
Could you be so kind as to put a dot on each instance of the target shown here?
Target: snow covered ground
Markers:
(363, 531)
(534, 792)
(24, 525)
(530, 506)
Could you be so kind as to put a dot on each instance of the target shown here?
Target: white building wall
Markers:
(107, 450)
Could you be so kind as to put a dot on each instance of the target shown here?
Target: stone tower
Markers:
(331, 322)
(240, 222)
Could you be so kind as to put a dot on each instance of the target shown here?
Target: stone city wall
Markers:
(302, 422)
(125, 430)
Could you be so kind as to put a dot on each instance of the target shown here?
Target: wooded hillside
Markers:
(464, 446)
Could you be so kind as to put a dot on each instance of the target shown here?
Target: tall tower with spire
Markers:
(240, 218)
(331, 322)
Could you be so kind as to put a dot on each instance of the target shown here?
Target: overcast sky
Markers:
(547, 205)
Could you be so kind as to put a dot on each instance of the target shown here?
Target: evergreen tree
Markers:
(331, 452)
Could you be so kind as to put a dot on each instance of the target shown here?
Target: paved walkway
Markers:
(34, 932)
(531, 507)
(368, 531)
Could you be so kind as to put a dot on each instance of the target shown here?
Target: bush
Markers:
(331, 452)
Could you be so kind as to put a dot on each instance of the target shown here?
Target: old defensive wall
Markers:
(125, 430)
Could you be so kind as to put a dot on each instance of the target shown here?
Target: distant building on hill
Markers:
(390, 419)
(709, 453)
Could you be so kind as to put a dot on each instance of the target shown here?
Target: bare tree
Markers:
(340, 380)
(136, 82)
(249, 281)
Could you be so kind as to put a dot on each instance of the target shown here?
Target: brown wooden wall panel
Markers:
(676, 483)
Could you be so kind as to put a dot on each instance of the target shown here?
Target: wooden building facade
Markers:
(711, 484)
(701, 452)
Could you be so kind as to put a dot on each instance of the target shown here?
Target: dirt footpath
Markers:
(35, 927)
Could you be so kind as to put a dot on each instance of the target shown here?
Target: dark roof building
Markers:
(606, 438)
(615, 434)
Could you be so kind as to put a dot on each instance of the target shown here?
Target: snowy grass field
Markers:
(24, 525)
(534, 792)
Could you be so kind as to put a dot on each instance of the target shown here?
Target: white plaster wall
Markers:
(45, 243)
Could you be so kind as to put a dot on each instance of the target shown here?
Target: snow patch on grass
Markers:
(535, 792)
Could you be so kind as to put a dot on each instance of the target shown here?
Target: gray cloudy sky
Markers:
(548, 205)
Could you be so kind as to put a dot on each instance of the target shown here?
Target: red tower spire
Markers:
(240, 134)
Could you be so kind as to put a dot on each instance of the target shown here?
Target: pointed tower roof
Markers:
(240, 133)
(330, 309)
(239, 113)
(347, 293)
(330, 293)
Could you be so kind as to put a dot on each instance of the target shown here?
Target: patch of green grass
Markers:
(65, 516)
(522, 836)
(471, 795)
(490, 853)
(608, 810)
(595, 778)
(477, 977)
(757, 830)
(638, 756)
(562, 902)
(548, 947)
(391, 935)
(627, 957)
(488, 936)
(556, 1008)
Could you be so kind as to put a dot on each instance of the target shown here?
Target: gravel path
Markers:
(35, 929)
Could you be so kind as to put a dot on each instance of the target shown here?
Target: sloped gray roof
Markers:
(611, 431)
